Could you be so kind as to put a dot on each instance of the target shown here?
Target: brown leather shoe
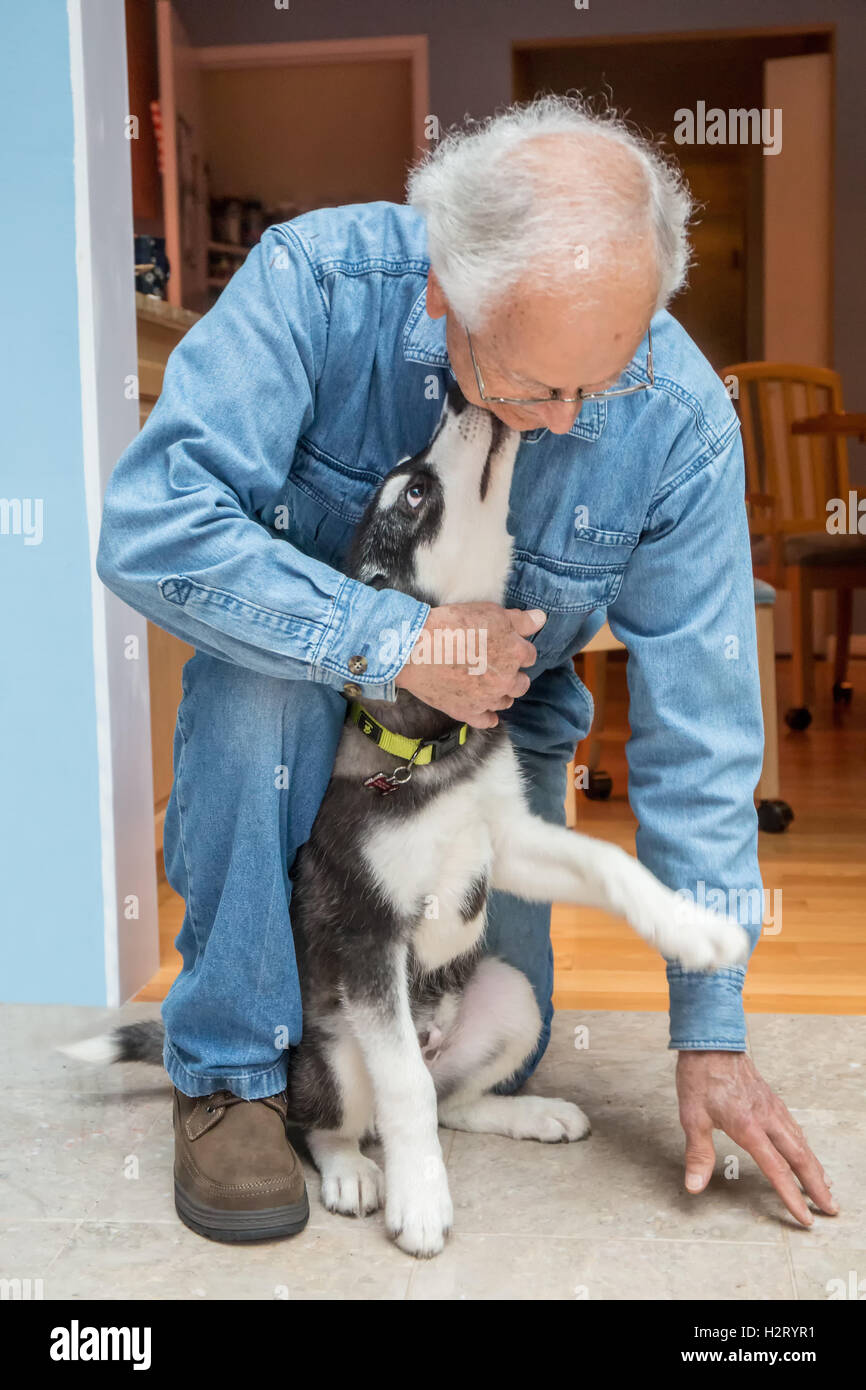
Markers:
(236, 1176)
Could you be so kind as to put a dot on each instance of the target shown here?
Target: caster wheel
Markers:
(599, 786)
(774, 816)
(798, 718)
(843, 693)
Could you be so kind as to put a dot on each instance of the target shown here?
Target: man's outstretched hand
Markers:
(724, 1090)
(495, 642)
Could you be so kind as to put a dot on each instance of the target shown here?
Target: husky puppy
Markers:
(408, 1025)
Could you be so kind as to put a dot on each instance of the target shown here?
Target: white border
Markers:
(93, 498)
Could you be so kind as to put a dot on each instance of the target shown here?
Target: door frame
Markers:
(762, 31)
(109, 422)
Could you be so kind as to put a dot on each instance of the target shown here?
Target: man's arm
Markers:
(685, 612)
(179, 538)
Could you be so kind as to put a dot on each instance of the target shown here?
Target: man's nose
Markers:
(559, 416)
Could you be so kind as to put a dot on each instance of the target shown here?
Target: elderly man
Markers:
(532, 264)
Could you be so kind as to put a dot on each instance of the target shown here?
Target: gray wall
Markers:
(470, 71)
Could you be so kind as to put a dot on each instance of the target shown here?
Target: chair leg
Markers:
(768, 786)
(802, 638)
(571, 793)
(595, 679)
(844, 618)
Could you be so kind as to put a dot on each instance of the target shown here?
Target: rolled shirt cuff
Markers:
(707, 1012)
(368, 640)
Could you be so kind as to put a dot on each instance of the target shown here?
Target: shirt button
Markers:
(357, 665)
(350, 688)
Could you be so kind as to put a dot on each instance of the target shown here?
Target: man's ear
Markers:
(437, 304)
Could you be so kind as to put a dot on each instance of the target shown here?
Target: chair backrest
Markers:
(798, 472)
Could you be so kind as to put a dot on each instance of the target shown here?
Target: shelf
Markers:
(227, 248)
(159, 311)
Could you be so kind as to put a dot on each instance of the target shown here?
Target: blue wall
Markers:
(51, 904)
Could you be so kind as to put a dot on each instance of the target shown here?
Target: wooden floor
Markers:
(815, 964)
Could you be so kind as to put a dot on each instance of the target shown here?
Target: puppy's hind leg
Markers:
(496, 1029)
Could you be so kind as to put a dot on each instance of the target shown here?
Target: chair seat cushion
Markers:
(764, 592)
(812, 548)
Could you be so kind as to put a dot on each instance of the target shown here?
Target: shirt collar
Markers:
(424, 341)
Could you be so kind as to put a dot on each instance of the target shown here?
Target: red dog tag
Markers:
(381, 782)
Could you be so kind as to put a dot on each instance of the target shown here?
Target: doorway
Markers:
(760, 284)
(733, 299)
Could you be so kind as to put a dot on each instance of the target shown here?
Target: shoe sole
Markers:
(241, 1227)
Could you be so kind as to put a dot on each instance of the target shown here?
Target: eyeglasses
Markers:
(555, 395)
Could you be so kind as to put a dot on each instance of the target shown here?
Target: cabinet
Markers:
(160, 327)
(292, 126)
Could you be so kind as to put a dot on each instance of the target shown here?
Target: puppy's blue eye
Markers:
(415, 494)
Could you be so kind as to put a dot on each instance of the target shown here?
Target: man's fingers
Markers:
(520, 650)
(525, 621)
(700, 1154)
(484, 720)
(774, 1167)
(790, 1141)
(528, 654)
(518, 686)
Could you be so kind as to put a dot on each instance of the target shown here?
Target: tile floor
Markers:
(86, 1185)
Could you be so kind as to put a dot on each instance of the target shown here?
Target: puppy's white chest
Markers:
(455, 913)
(434, 867)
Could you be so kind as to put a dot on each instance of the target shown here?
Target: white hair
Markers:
(501, 211)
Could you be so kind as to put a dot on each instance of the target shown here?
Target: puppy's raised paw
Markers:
(702, 940)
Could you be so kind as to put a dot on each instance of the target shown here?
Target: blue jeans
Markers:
(252, 758)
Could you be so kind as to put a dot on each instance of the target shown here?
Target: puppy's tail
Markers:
(134, 1042)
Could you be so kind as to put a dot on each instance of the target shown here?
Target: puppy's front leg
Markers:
(547, 863)
(418, 1211)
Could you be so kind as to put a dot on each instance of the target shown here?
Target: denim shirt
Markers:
(316, 371)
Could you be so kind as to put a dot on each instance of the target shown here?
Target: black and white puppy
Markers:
(408, 1025)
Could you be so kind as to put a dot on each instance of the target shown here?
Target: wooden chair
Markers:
(774, 815)
(789, 480)
(584, 770)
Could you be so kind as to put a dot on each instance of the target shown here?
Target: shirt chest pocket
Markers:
(320, 505)
(585, 577)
